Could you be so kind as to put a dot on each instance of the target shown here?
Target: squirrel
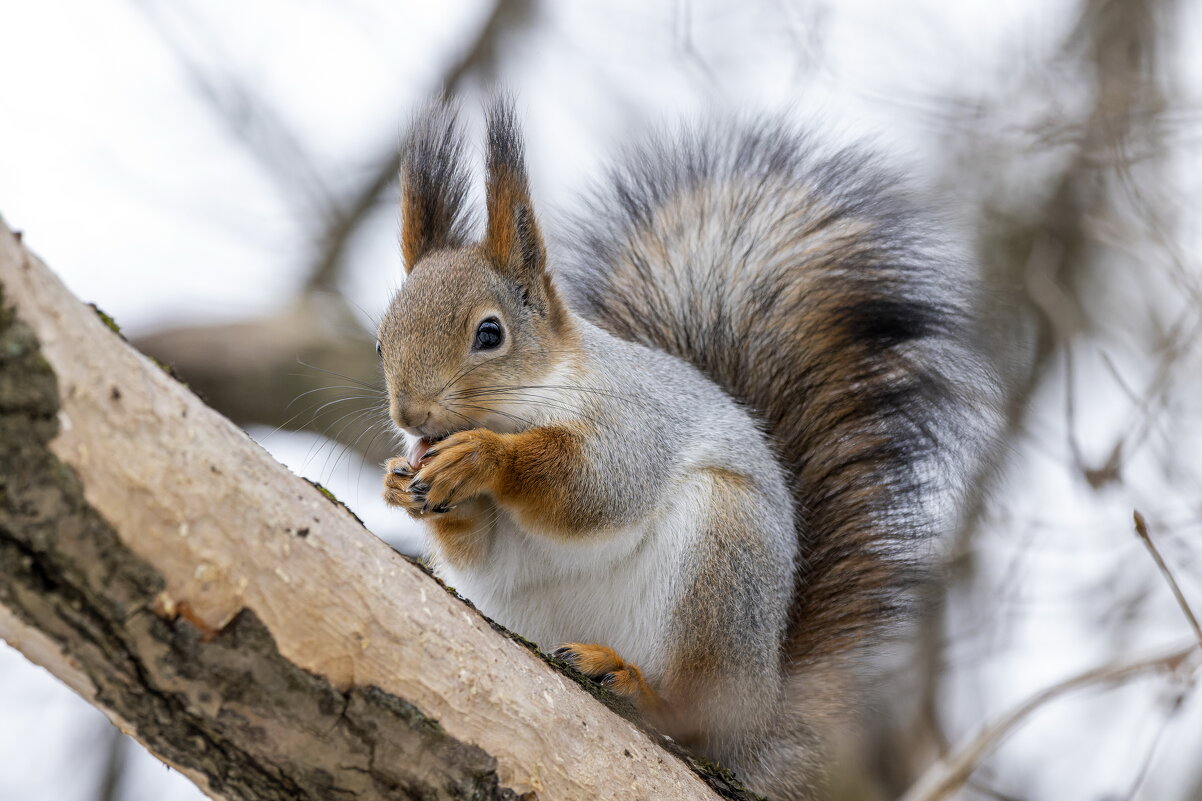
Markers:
(696, 450)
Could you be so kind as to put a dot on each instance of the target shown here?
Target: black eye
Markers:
(489, 335)
(379, 350)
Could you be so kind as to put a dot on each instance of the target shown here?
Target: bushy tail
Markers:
(804, 284)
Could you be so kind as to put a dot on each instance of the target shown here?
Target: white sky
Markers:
(125, 184)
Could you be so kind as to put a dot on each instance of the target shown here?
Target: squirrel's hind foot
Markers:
(603, 665)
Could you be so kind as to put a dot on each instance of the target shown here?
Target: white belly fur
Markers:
(614, 588)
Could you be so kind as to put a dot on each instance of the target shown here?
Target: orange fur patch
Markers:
(413, 238)
(540, 478)
(603, 663)
(461, 535)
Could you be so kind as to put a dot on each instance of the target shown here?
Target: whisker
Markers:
(375, 321)
(330, 387)
(461, 376)
(352, 379)
(565, 387)
(323, 406)
(313, 415)
(464, 416)
(348, 447)
(338, 449)
(532, 401)
(371, 442)
(497, 411)
(354, 415)
(468, 393)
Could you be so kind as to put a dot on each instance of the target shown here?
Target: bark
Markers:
(243, 626)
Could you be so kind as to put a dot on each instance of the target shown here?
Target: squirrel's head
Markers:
(473, 322)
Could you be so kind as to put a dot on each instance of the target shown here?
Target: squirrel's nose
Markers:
(407, 414)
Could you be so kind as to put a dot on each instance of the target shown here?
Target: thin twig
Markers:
(1150, 755)
(948, 774)
(479, 60)
(992, 792)
(1141, 528)
(114, 763)
(249, 115)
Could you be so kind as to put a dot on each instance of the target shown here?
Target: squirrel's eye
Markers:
(379, 350)
(488, 335)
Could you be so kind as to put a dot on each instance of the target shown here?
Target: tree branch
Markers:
(1141, 528)
(245, 628)
(248, 370)
(949, 773)
(479, 59)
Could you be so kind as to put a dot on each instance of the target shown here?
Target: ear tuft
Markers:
(513, 241)
(434, 184)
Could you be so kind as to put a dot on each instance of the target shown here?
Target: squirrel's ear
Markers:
(513, 242)
(434, 185)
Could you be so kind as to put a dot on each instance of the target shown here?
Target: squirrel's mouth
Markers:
(422, 447)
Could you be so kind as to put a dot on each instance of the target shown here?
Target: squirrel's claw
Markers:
(398, 482)
(603, 665)
(461, 467)
(458, 469)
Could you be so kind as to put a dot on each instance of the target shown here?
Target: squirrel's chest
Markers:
(616, 589)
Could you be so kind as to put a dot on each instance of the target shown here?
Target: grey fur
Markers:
(771, 371)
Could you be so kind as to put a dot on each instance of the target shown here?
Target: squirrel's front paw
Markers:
(460, 467)
(398, 476)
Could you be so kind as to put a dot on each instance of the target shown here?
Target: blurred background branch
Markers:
(254, 371)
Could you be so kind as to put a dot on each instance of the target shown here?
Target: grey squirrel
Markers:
(696, 451)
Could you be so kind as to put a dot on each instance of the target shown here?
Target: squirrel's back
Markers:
(806, 284)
